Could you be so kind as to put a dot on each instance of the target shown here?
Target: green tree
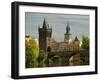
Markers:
(29, 58)
(42, 55)
(35, 48)
(32, 53)
(42, 58)
(85, 42)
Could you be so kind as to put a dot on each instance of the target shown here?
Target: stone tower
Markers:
(45, 34)
(67, 34)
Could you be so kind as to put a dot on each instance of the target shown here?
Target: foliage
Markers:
(29, 59)
(32, 53)
(42, 58)
(85, 42)
(84, 57)
(35, 48)
(42, 54)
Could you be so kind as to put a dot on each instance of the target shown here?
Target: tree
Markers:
(35, 48)
(32, 53)
(85, 42)
(84, 56)
(29, 58)
(42, 55)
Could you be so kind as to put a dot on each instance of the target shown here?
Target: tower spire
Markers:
(68, 28)
(44, 23)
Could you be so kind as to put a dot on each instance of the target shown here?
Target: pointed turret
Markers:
(76, 39)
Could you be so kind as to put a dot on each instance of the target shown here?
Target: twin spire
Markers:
(45, 25)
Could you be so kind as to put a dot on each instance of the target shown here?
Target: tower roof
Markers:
(67, 29)
(44, 23)
(76, 39)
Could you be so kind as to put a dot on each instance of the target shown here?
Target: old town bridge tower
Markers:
(45, 33)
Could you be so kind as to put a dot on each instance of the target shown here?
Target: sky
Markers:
(79, 24)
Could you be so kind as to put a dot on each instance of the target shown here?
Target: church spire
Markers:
(67, 29)
(67, 34)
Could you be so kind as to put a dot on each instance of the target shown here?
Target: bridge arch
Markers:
(65, 58)
(55, 60)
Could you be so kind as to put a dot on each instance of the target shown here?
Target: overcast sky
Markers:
(79, 24)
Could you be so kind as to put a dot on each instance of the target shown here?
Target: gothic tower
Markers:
(45, 34)
(67, 34)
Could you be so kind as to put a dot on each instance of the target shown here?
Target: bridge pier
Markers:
(65, 61)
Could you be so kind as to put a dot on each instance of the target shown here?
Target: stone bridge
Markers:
(63, 58)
